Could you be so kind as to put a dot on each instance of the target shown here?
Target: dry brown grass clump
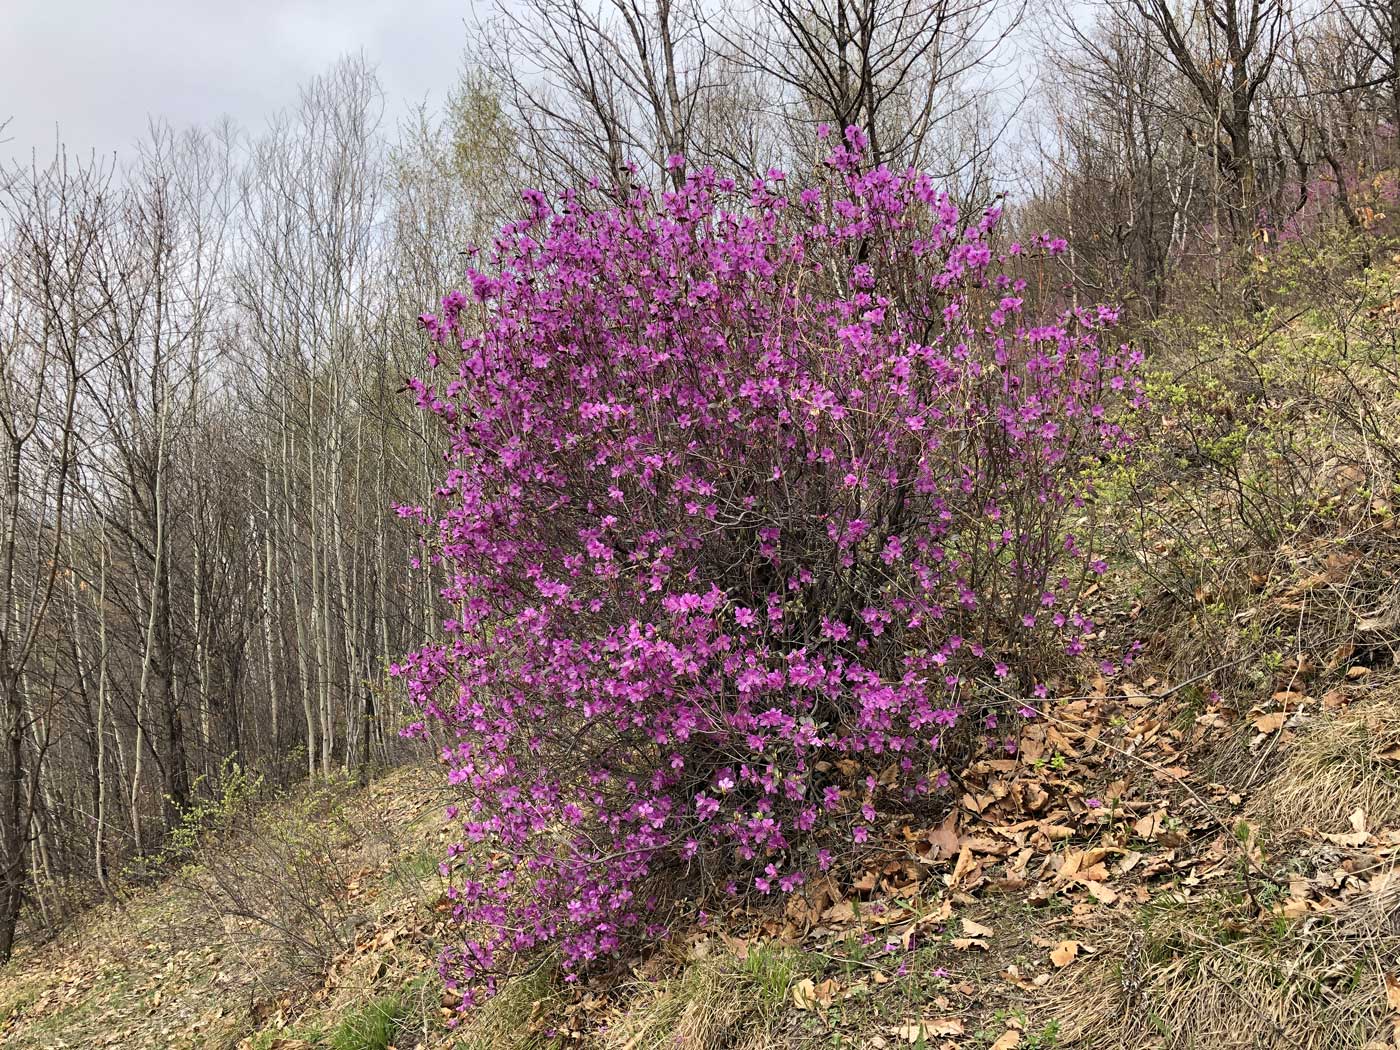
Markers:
(1343, 763)
(684, 1002)
(704, 1007)
(1190, 981)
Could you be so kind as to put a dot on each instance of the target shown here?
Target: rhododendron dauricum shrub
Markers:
(752, 495)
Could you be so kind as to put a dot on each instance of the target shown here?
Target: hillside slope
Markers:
(1197, 855)
(1117, 884)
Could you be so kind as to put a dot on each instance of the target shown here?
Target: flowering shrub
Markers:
(752, 493)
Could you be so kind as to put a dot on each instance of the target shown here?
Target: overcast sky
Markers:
(99, 69)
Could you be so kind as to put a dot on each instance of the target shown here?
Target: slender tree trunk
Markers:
(99, 860)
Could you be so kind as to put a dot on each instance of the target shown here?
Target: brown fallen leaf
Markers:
(944, 838)
(1392, 991)
(1147, 827)
(962, 944)
(804, 994)
(976, 929)
(1009, 1039)
(1101, 892)
(1357, 836)
(1340, 655)
(1272, 722)
(1064, 953)
(840, 912)
(738, 945)
(916, 1030)
(1012, 975)
(961, 868)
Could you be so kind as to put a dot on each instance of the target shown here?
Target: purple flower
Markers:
(714, 508)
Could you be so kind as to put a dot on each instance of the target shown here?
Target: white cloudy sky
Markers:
(99, 69)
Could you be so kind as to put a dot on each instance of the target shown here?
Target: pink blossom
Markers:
(722, 479)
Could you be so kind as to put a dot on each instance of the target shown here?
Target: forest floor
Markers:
(1150, 869)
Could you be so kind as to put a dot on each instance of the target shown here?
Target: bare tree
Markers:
(1122, 167)
(1327, 119)
(1226, 51)
(600, 87)
(312, 214)
(202, 360)
(1373, 27)
(54, 219)
(917, 77)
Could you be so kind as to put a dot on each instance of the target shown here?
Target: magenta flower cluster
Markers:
(753, 493)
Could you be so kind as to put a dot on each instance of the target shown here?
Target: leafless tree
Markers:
(601, 87)
(1373, 27)
(1226, 50)
(1120, 164)
(54, 219)
(916, 77)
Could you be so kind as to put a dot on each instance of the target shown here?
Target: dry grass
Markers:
(706, 1006)
(1344, 762)
(516, 1019)
(163, 969)
(1187, 981)
(1194, 972)
(714, 1003)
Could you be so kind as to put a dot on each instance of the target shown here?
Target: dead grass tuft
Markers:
(1343, 763)
(516, 1018)
(1190, 980)
(702, 1007)
(715, 1003)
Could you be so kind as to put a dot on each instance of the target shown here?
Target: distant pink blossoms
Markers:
(752, 494)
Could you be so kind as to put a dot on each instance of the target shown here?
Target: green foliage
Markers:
(1043, 1038)
(505, 1020)
(371, 1026)
(279, 880)
(1273, 435)
(220, 803)
(770, 971)
(460, 174)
